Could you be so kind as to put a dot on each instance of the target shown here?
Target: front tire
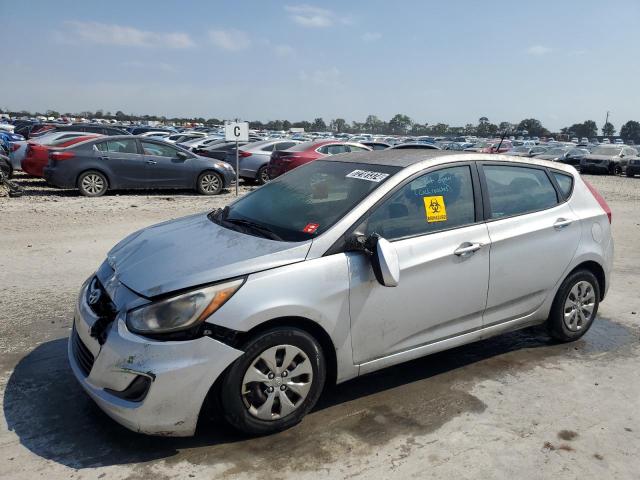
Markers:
(617, 170)
(92, 184)
(275, 383)
(209, 183)
(575, 306)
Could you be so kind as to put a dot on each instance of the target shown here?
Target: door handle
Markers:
(562, 223)
(151, 162)
(467, 248)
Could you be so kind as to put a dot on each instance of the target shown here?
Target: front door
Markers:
(164, 167)
(443, 250)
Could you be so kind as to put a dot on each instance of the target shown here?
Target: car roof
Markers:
(405, 158)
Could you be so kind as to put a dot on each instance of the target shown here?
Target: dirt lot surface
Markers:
(515, 406)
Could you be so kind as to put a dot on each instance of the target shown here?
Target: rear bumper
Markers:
(33, 168)
(182, 373)
(276, 170)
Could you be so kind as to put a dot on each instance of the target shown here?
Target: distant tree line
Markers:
(400, 124)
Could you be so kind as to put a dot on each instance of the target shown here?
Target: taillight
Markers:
(58, 156)
(244, 154)
(600, 199)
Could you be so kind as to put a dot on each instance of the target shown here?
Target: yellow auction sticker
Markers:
(435, 209)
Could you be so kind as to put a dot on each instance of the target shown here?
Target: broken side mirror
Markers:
(383, 255)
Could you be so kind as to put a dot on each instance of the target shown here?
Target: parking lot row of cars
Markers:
(95, 158)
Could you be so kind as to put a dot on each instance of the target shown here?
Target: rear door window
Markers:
(514, 190)
(122, 146)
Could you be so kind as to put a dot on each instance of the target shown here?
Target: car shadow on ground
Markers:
(53, 418)
(37, 187)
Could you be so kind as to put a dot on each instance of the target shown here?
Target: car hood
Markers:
(601, 157)
(193, 251)
(547, 157)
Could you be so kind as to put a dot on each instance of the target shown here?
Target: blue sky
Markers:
(453, 62)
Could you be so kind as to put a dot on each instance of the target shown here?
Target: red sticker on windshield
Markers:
(311, 227)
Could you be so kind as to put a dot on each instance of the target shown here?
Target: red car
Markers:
(37, 155)
(493, 147)
(284, 160)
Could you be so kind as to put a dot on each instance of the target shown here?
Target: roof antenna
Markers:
(504, 134)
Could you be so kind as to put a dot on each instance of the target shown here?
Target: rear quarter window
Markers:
(565, 182)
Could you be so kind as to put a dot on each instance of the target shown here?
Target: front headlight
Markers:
(183, 311)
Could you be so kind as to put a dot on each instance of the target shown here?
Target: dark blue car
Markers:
(130, 162)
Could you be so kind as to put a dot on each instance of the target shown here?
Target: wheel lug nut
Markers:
(271, 376)
(284, 374)
(283, 387)
(270, 389)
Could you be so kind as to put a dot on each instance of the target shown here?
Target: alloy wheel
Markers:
(579, 305)
(93, 184)
(210, 183)
(277, 382)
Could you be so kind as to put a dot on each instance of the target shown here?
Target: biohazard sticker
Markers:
(435, 209)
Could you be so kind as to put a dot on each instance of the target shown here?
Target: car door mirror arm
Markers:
(382, 254)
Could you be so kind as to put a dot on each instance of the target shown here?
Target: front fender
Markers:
(317, 290)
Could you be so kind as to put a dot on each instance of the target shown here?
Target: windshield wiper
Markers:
(265, 231)
(220, 216)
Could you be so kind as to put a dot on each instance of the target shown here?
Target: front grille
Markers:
(82, 354)
(99, 301)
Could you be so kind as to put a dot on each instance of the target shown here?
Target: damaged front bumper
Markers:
(177, 374)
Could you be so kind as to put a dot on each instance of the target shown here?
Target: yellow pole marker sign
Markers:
(435, 209)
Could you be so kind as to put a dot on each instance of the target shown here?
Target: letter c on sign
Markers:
(236, 131)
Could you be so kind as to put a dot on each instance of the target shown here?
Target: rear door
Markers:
(534, 236)
(164, 168)
(124, 159)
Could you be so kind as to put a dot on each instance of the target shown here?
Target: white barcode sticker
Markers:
(367, 175)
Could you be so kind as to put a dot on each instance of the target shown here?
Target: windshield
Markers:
(609, 151)
(305, 202)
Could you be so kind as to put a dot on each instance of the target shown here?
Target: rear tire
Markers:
(262, 176)
(92, 183)
(575, 306)
(209, 183)
(617, 170)
(275, 383)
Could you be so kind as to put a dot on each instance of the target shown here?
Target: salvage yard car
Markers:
(606, 159)
(130, 162)
(343, 266)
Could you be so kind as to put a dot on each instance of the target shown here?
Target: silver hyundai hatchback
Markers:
(341, 267)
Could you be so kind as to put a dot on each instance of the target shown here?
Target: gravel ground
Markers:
(513, 406)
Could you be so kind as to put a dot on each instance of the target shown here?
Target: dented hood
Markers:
(192, 251)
